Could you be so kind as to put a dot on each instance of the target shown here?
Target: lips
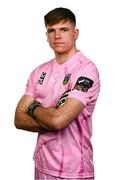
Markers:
(58, 43)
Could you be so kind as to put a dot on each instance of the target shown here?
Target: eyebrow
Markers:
(53, 29)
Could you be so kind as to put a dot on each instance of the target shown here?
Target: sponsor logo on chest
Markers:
(42, 77)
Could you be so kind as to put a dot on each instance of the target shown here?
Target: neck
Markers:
(63, 57)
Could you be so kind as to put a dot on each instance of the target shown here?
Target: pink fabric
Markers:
(41, 176)
(67, 153)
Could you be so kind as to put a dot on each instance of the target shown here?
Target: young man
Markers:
(58, 103)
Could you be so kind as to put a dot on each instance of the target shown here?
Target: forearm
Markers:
(25, 122)
(44, 116)
(60, 117)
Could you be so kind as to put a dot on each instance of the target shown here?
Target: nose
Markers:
(57, 33)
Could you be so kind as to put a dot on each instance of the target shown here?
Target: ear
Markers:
(76, 34)
(47, 36)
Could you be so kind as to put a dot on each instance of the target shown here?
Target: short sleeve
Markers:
(30, 86)
(88, 85)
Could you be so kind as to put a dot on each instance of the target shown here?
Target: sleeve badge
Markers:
(83, 84)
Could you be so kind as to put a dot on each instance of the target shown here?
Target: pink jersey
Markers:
(66, 153)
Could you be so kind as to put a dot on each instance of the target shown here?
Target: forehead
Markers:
(61, 24)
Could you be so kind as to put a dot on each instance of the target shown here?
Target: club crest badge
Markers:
(66, 79)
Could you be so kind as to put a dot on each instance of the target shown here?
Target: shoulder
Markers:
(44, 65)
(88, 66)
(42, 68)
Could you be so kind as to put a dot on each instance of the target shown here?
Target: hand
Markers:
(32, 107)
(62, 99)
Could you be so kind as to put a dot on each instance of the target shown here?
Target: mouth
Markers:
(58, 43)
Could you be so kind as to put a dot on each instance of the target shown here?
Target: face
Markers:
(62, 37)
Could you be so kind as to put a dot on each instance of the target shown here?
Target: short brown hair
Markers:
(58, 14)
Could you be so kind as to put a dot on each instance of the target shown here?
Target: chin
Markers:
(61, 51)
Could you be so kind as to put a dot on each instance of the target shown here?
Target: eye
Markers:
(64, 29)
(50, 30)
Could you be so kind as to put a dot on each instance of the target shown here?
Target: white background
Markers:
(23, 47)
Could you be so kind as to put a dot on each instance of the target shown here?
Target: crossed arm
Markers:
(51, 119)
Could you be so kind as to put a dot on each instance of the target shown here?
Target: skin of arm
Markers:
(50, 118)
(58, 118)
(22, 120)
